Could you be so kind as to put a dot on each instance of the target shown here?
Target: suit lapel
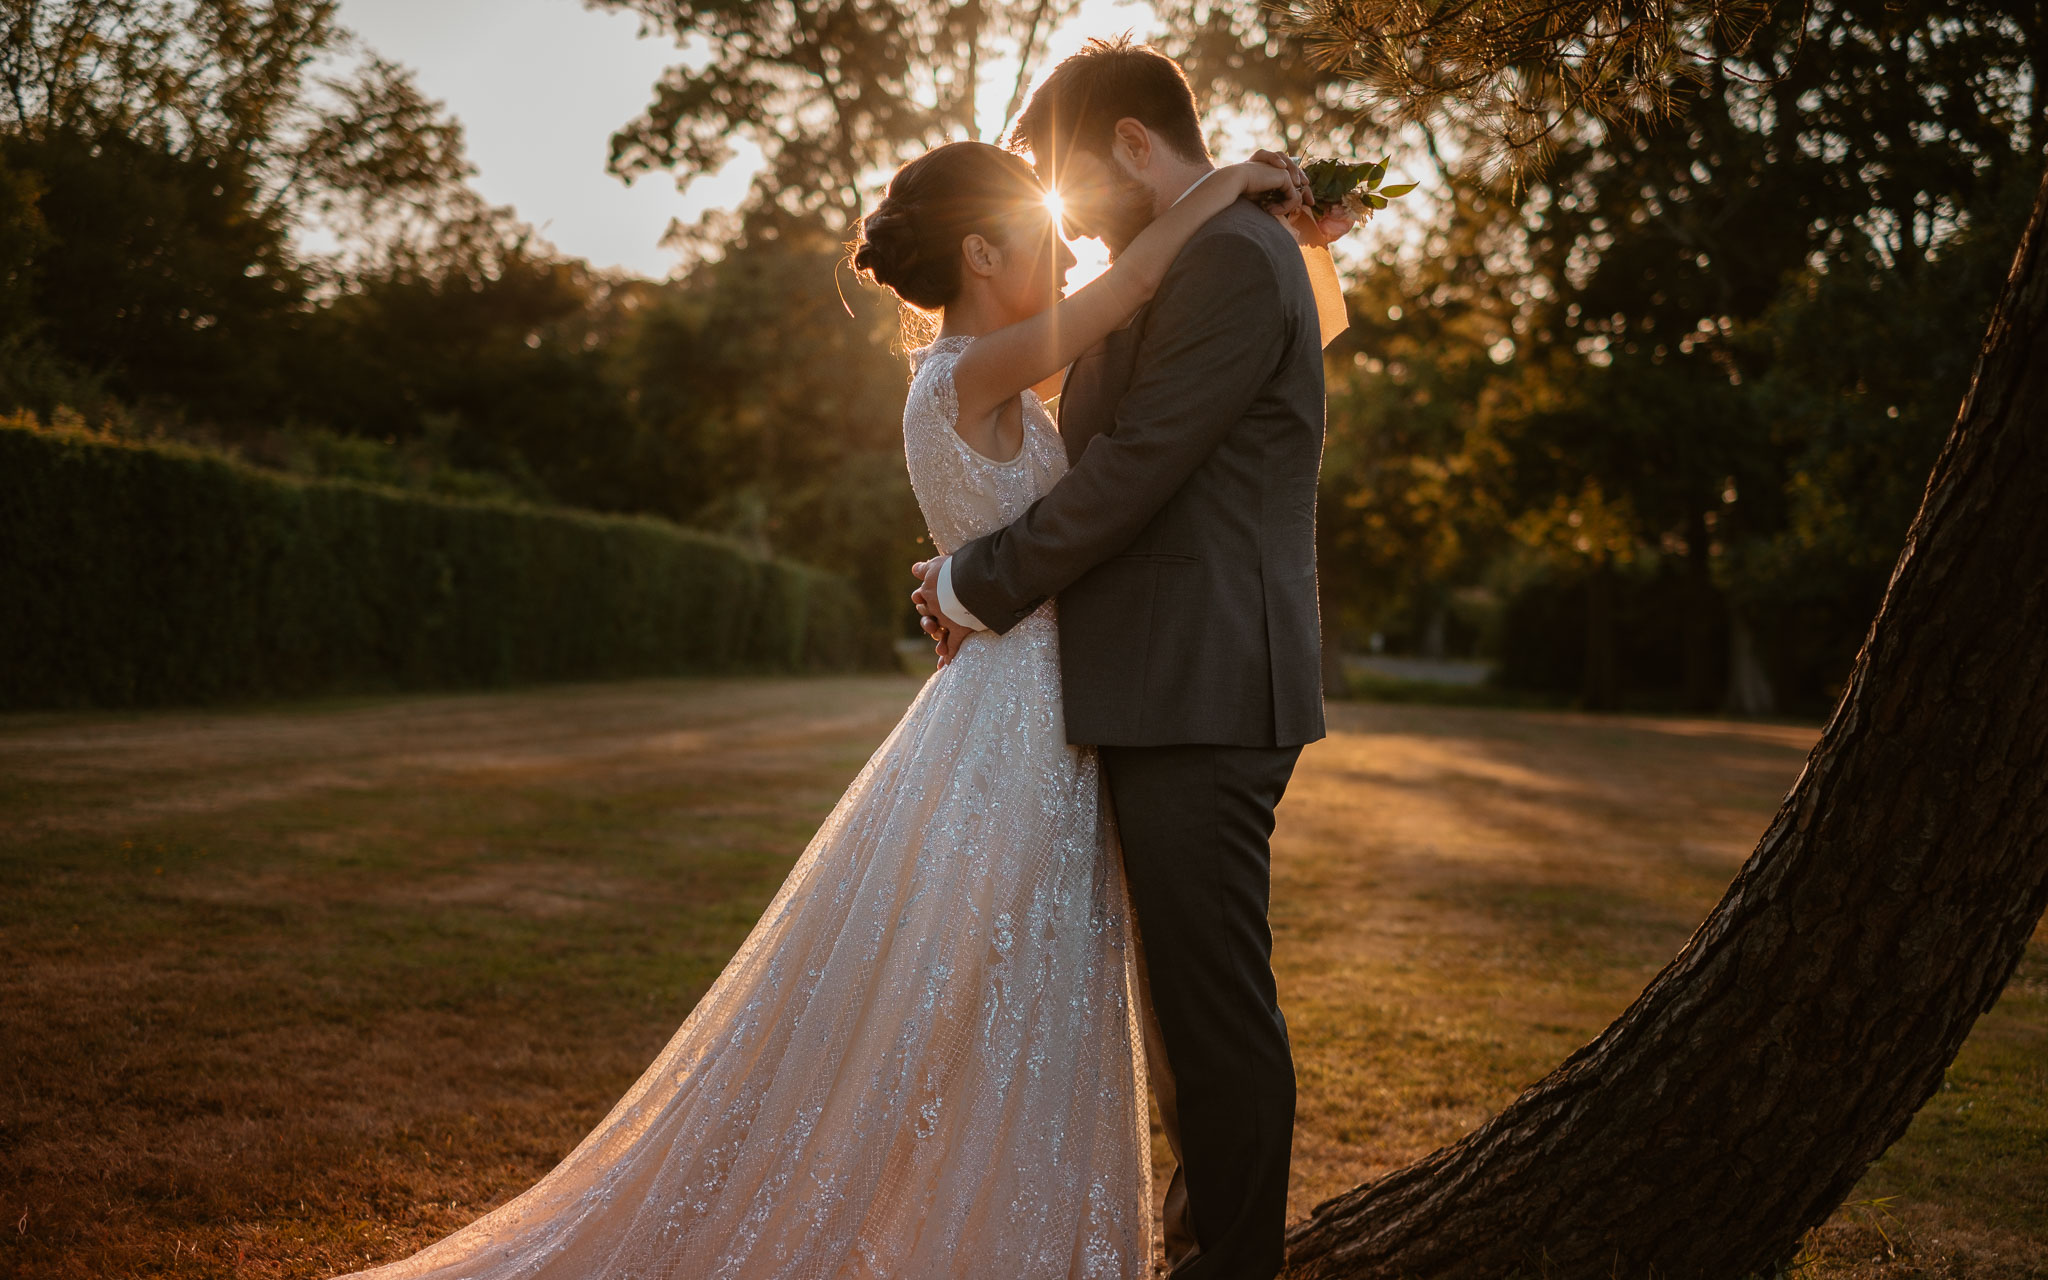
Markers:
(1096, 382)
(1078, 415)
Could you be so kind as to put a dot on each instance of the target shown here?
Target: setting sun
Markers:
(1054, 205)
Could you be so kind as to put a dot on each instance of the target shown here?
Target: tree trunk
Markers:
(1744, 1093)
(1600, 688)
(1435, 628)
(1336, 681)
(1749, 685)
(969, 120)
(1702, 607)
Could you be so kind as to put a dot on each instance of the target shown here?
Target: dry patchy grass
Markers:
(289, 990)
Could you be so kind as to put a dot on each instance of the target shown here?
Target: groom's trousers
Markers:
(1195, 822)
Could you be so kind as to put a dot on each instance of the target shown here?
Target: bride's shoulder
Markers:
(931, 374)
(936, 355)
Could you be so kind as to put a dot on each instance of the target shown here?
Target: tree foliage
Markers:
(777, 405)
(831, 93)
(179, 150)
(1635, 282)
(1512, 76)
(226, 83)
(162, 168)
(1609, 391)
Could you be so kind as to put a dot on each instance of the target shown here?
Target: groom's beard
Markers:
(1126, 212)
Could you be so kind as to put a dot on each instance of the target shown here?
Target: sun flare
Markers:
(1054, 205)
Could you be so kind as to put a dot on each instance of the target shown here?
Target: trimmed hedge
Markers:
(149, 574)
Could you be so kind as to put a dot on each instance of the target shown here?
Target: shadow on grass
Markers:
(283, 993)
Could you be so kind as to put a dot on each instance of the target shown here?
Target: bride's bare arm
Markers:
(999, 365)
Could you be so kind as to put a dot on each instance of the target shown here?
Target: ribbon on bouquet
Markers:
(1329, 291)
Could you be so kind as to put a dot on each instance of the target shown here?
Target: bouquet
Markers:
(1335, 183)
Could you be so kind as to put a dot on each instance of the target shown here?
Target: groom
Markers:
(1181, 546)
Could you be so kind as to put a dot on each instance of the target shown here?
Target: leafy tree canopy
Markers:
(832, 93)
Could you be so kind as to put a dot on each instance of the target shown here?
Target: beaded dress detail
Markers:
(923, 1063)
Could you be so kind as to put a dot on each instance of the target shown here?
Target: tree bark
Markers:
(1744, 1093)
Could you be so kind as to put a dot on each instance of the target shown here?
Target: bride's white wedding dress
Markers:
(924, 1060)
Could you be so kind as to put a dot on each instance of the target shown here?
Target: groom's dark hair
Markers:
(1080, 102)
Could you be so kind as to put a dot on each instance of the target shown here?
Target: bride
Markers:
(924, 1061)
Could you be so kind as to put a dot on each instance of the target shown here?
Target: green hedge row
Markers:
(149, 574)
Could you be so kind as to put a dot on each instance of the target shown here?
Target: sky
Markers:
(541, 85)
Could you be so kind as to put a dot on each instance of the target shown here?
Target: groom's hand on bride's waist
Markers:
(946, 634)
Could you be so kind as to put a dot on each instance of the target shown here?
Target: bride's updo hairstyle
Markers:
(910, 242)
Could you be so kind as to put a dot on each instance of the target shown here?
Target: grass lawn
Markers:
(287, 991)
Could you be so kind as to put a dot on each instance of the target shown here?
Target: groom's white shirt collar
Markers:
(1191, 186)
(949, 603)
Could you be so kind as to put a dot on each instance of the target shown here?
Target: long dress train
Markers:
(924, 1060)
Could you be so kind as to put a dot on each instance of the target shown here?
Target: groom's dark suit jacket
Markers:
(1181, 544)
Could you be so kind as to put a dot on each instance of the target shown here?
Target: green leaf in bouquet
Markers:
(1334, 183)
(1331, 180)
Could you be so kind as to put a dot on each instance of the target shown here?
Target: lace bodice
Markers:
(963, 494)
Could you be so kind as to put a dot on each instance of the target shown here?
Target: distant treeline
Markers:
(1646, 428)
(154, 212)
(147, 574)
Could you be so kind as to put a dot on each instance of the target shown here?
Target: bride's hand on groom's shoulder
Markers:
(946, 634)
(1276, 179)
(1312, 226)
